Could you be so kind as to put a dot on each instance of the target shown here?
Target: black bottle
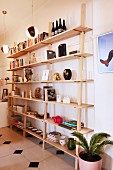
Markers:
(53, 29)
(64, 26)
(56, 29)
(60, 29)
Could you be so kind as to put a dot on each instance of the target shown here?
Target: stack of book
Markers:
(71, 125)
(54, 136)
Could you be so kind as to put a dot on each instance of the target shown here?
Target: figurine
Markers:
(30, 94)
(56, 76)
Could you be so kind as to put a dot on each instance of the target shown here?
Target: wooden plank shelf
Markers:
(83, 130)
(63, 148)
(53, 81)
(34, 134)
(24, 114)
(18, 126)
(62, 36)
(75, 105)
(54, 60)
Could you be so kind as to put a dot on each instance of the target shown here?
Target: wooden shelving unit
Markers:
(81, 30)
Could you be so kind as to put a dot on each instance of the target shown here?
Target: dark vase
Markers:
(71, 144)
(67, 73)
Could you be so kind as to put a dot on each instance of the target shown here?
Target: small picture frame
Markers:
(45, 75)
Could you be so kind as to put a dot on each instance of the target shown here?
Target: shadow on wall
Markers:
(107, 161)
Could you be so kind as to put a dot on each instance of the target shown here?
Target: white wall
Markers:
(103, 23)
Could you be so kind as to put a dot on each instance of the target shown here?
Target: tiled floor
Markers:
(19, 153)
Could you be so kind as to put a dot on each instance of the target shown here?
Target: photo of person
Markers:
(105, 52)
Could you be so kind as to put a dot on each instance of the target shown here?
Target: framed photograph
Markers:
(105, 52)
(45, 75)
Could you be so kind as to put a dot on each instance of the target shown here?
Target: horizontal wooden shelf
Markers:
(34, 134)
(75, 105)
(83, 130)
(54, 60)
(33, 117)
(63, 148)
(10, 109)
(24, 114)
(62, 36)
(25, 66)
(18, 126)
(52, 81)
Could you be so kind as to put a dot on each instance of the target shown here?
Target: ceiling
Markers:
(16, 11)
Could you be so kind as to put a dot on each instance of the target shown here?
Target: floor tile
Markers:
(60, 162)
(36, 154)
(6, 150)
(18, 151)
(22, 143)
(30, 168)
(33, 164)
(13, 162)
(7, 142)
(1, 141)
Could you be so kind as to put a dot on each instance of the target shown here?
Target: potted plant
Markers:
(90, 157)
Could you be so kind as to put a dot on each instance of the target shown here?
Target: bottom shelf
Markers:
(17, 126)
(63, 148)
(34, 134)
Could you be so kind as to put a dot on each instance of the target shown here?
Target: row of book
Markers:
(71, 125)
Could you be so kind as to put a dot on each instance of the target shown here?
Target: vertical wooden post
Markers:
(80, 77)
(83, 15)
(49, 29)
(45, 124)
(24, 127)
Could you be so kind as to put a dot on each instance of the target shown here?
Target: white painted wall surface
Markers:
(4, 117)
(103, 23)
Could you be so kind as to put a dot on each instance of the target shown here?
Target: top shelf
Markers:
(62, 36)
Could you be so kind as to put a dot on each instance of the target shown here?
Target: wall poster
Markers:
(105, 52)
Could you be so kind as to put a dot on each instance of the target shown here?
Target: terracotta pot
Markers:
(85, 165)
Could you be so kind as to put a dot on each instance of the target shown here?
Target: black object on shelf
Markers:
(56, 28)
(51, 54)
(67, 74)
(64, 26)
(62, 50)
(60, 27)
(53, 29)
(74, 52)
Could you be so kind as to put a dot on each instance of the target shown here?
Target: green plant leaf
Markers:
(95, 140)
(100, 147)
(83, 142)
(98, 137)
